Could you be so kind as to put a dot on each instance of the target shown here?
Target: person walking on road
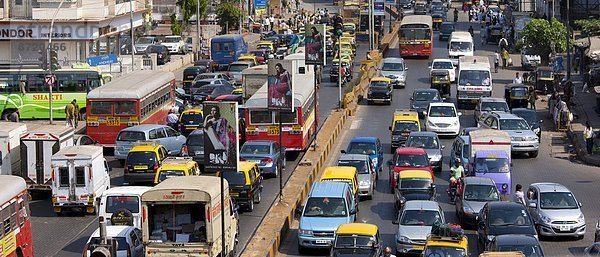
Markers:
(519, 196)
(532, 98)
(588, 134)
(75, 112)
(172, 120)
(70, 114)
(496, 60)
(503, 43)
(455, 15)
(471, 30)
(518, 79)
(505, 57)
(483, 34)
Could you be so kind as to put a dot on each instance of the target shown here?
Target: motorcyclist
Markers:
(457, 173)
(387, 252)
(471, 30)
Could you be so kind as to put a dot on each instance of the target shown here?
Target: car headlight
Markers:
(402, 200)
(403, 239)
(375, 161)
(305, 232)
(467, 209)
(436, 158)
(545, 219)
(429, 123)
(581, 218)
(402, 78)
(536, 130)
(490, 238)
(364, 183)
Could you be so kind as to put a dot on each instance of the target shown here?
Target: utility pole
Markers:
(568, 41)
(242, 16)
(197, 45)
(131, 27)
(48, 58)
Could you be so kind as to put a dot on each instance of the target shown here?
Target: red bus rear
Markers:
(416, 36)
(15, 238)
(141, 97)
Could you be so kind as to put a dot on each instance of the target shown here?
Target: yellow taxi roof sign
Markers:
(405, 112)
(415, 174)
(339, 172)
(381, 79)
(456, 242)
(357, 229)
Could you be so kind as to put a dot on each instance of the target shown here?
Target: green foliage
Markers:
(188, 9)
(589, 27)
(229, 15)
(543, 37)
(175, 27)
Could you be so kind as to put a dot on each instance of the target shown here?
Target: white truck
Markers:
(80, 175)
(460, 44)
(10, 141)
(37, 147)
(474, 79)
(490, 157)
(182, 215)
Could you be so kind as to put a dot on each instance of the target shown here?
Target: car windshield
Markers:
(361, 148)
(437, 251)
(121, 243)
(494, 106)
(415, 183)
(481, 193)
(114, 203)
(165, 174)
(379, 84)
(425, 142)
(474, 77)
(492, 165)
(443, 65)
(502, 217)
(131, 136)
(447, 27)
(361, 165)
(519, 92)
(435, 8)
(392, 66)
(237, 67)
(191, 118)
(406, 126)
(141, 157)
(513, 124)
(255, 149)
(527, 250)
(529, 116)
(145, 40)
(461, 46)
(325, 207)
(442, 111)
(206, 76)
(195, 140)
(415, 161)
(420, 218)
(558, 200)
(171, 39)
(234, 178)
(355, 241)
(427, 96)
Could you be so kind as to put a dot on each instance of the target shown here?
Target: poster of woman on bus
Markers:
(314, 40)
(220, 136)
(280, 88)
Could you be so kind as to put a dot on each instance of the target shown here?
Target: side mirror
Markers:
(170, 152)
(494, 127)
(425, 113)
(459, 113)
(541, 121)
(580, 205)
(443, 99)
(343, 151)
(390, 127)
(353, 211)
(443, 146)
(405, 68)
(532, 205)
(432, 186)
(411, 98)
(477, 217)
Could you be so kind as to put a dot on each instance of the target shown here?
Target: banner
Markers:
(260, 4)
(280, 90)
(220, 136)
(391, 2)
(378, 7)
(314, 41)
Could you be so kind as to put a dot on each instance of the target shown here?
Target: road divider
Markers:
(176, 64)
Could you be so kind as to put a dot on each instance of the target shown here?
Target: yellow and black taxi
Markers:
(403, 122)
(380, 90)
(334, 71)
(245, 185)
(249, 58)
(189, 120)
(266, 45)
(361, 239)
(176, 167)
(349, 27)
(456, 245)
(143, 161)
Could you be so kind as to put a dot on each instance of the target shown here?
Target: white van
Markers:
(460, 44)
(10, 153)
(81, 174)
(127, 197)
(474, 79)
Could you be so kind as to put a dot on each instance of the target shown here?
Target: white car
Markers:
(442, 118)
(129, 241)
(443, 64)
(175, 44)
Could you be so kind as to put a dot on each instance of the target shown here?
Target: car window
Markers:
(171, 132)
(425, 142)
(506, 217)
(152, 134)
(442, 111)
(420, 218)
(361, 148)
(513, 124)
(558, 200)
(160, 133)
(494, 122)
(132, 136)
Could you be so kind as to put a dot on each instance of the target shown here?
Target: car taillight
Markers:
(242, 159)
(184, 150)
(266, 160)
(126, 168)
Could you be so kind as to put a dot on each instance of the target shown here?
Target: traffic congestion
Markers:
(456, 162)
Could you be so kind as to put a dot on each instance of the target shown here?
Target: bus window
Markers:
(101, 108)
(261, 117)
(125, 108)
(287, 118)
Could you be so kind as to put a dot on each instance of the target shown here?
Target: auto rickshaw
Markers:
(494, 34)
(440, 80)
(437, 19)
(517, 95)
(543, 79)
(361, 237)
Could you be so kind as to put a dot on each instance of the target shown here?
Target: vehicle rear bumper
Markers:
(409, 248)
(139, 177)
(525, 146)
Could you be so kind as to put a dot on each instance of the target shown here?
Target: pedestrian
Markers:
(518, 79)
(172, 119)
(519, 196)
(470, 15)
(75, 112)
(70, 114)
(532, 98)
(587, 80)
(471, 30)
(13, 116)
(483, 34)
(266, 23)
(505, 57)
(387, 252)
(496, 60)
(503, 43)
(455, 15)
(588, 134)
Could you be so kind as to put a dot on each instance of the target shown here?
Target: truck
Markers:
(37, 147)
(490, 156)
(182, 215)
(10, 142)
(80, 176)
(474, 79)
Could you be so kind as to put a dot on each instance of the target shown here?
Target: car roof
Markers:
(421, 205)
(478, 181)
(259, 142)
(550, 187)
(208, 80)
(354, 157)
(410, 150)
(441, 104)
(143, 127)
(328, 189)
(126, 190)
(423, 134)
(339, 172)
(442, 59)
(363, 139)
(516, 239)
(505, 205)
(245, 166)
(425, 90)
(114, 231)
(491, 99)
(357, 229)
(415, 174)
(492, 154)
(393, 59)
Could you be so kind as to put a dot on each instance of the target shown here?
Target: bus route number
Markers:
(273, 131)
(113, 121)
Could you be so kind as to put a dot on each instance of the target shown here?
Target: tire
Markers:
(250, 207)
(302, 250)
(258, 197)
(533, 154)
(276, 173)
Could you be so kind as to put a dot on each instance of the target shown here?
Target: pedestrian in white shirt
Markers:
(518, 79)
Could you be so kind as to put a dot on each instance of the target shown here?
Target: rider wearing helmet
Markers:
(387, 252)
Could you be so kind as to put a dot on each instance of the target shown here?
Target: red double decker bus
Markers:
(416, 36)
(298, 126)
(15, 235)
(140, 97)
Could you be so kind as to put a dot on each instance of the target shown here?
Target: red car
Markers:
(408, 158)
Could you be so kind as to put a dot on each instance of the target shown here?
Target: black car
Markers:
(189, 74)
(501, 218)
(162, 53)
(421, 98)
(405, 4)
(526, 244)
(194, 146)
(210, 92)
(530, 116)
(446, 29)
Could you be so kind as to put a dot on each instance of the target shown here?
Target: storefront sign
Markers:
(102, 60)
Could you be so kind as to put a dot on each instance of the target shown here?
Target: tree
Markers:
(188, 9)
(544, 37)
(175, 27)
(229, 15)
(589, 27)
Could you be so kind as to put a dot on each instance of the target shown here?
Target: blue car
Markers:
(269, 156)
(460, 149)
(370, 146)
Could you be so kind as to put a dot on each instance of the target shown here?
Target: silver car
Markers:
(477, 191)
(489, 104)
(522, 139)
(555, 210)
(142, 43)
(235, 70)
(430, 142)
(414, 225)
(367, 177)
(395, 69)
(161, 134)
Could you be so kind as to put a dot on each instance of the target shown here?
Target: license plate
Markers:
(564, 228)
(234, 194)
(255, 161)
(273, 130)
(418, 247)
(322, 241)
(534, 64)
(198, 153)
(113, 121)
(140, 167)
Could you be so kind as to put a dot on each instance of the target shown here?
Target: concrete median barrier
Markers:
(178, 63)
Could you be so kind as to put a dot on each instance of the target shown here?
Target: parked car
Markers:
(489, 104)
(430, 142)
(141, 44)
(395, 69)
(523, 140)
(268, 154)
(529, 59)
(501, 218)
(414, 225)
(189, 45)
(476, 192)
(555, 210)
(526, 244)
(367, 175)
(422, 97)
(443, 118)
(129, 241)
(530, 116)
(162, 53)
(175, 44)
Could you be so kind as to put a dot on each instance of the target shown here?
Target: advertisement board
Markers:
(280, 90)
(220, 136)
(314, 40)
(379, 7)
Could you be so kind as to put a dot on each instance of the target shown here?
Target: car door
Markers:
(482, 225)
(533, 196)
(176, 140)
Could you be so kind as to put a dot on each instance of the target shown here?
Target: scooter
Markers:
(452, 193)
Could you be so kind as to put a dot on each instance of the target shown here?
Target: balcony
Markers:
(73, 13)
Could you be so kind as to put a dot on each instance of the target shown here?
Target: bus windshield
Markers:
(415, 34)
(474, 77)
(461, 46)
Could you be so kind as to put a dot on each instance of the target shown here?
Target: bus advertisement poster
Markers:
(220, 136)
(280, 90)
(315, 44)
(378, 7)
(391, 2)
